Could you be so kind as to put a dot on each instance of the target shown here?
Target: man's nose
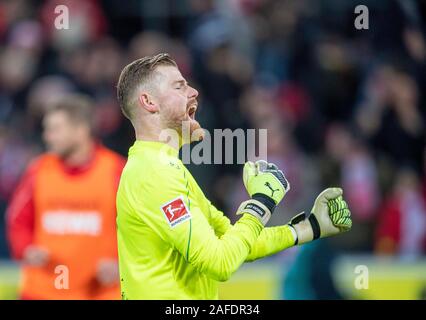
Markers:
(193, 93)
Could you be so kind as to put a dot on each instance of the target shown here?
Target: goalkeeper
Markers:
(172, 242)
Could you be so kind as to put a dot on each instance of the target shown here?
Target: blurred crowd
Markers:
(342, 106)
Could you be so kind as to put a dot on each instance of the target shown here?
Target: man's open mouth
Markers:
(191, 111)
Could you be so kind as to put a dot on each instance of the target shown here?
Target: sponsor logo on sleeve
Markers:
(176, 211)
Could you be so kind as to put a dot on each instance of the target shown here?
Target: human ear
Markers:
(148, 102)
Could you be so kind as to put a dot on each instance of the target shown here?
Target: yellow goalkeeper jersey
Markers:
(172, 242)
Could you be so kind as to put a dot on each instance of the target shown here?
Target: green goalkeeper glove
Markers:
(266, 185)
(330, 215)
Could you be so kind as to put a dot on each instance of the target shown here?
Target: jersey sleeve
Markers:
(218, 220)
(175, 216)
(271, 239)
(20, 215)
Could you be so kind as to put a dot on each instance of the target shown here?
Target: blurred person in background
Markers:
(390, 116)
(401, 226)
(280, 110)
(15, 153)
(348, 161)
(63, 211)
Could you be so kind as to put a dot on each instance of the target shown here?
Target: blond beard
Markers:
(187, 130)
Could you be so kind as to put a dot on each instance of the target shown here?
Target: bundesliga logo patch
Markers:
(176, 211)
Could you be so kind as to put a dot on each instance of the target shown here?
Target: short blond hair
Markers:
(136, 73)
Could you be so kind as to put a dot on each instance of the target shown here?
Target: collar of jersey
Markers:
(155, 146)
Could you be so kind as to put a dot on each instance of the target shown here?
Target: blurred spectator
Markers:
(15, 154)
(86, 22)
(17, 68)
(147, 44)
(401, 226)
(260, 106)
(358, 171)
(63, 211)
(390, 116)
(44, 92)
(349, 164)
